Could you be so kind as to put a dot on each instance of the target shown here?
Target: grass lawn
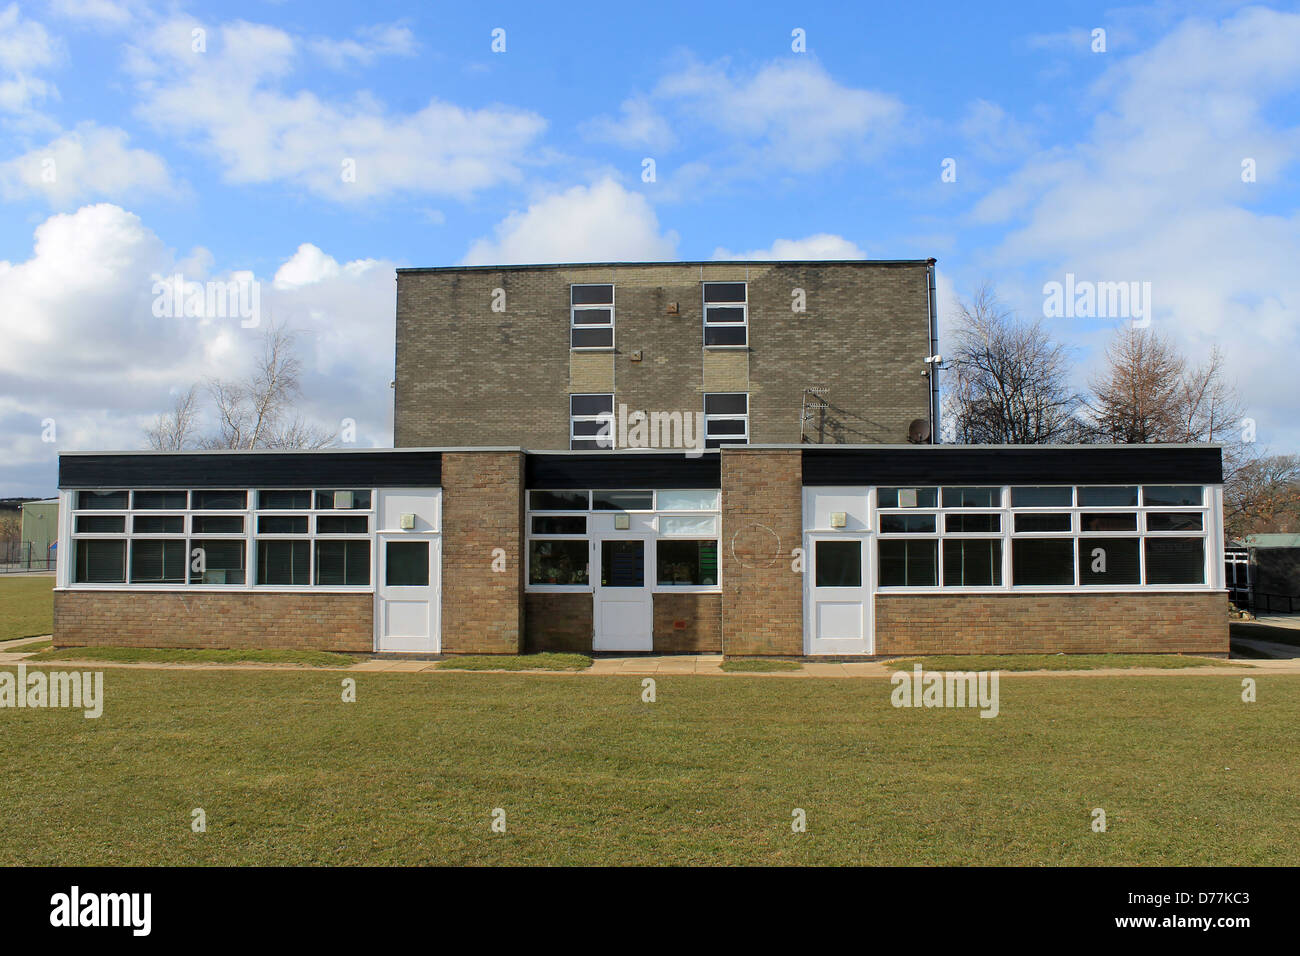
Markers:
(548, 661)
(194, 655)
(709, 774)
(27, 646)
(26, 605)
(1055, 662)
(748, 666)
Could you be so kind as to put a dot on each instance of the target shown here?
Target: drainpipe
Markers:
(933, 367)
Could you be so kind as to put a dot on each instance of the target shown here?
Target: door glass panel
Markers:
(407, 564)
(839, 564)
(622, 564)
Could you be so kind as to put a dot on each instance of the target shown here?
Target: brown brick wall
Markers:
(688, 623)
(315, 621)
(558, 622)
(762, 522)
(1188, 623)
(469, 376)
(482, 509)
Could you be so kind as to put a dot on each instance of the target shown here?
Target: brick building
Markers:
(653, 458)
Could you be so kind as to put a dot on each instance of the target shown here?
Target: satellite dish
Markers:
(918, 432)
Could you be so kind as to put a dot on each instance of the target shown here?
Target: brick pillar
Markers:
(762, 522)
(482, 509)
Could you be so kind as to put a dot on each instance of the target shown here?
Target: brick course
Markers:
(558, 622)
(701, 617)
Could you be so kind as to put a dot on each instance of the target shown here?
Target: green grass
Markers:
(26, 605)
(517, 662)
(171, 655)
(27, 646)
(1054, 662)
(748, 666)
(709, 774)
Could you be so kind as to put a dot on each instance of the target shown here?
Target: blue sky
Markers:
(1115, 165)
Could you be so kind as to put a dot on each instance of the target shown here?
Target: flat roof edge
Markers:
(671, 262)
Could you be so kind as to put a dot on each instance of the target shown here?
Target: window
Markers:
(217, 524)
(343, 500)
(726, 314)
(284, 500)
(1120, 521)
(972, 524)
(908, 563)
(622, 501)
(1175, 560)
(101, 500)
(100, 524)
(622, 564)
(1174, 521)
(406, 564)
(692, 526)
(157, 561)
(907, 524)
(839, 564)
(591, 317)
(1176, 496)
(560, 524)
(1105, 496)
(282, 524)
(100, 562)
(1111, 561)
(1032, 523)
(673, 500)
(557, 562)
(591, 421)
(972, 562)
(220, 500)
(343, 524)
(972, 497)
(159, 500)
(283, 562)
(1042, 562)
(558, 500)
(158, 524)
(726, 419)
(346, 562)
(682, 562)
(907, 497)
(218, 562)
(1042, 496)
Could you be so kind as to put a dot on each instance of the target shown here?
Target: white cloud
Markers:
(99, 13)
(25, 48)
(993, 134)
(385, 39)
(598, 223)
(824, 245)
(90, 161)
(637, 125)
(234, 103)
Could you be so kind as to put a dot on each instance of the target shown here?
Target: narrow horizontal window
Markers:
(972, 562)
(557, 562)
(907, 524)
(674, 500)
(907, 497)
(699, 526)
(284, 500)
(592, 294)
(1042, 562)
(1108, 522)
(622, 501)
(343, 500)
(972, 497)
(158, 524)
(343, 563)
(1042, 496)
(592, 338)
(102, 500)
(1175, 560)
(557, 500)
(101, 524)
(282, 524)
(1109, 561)
(1173, 496)
(157, 561)
(283, 562)
(220, 500)
(1032, 523)
(100, 562)
(218, 524)
(972, 524)
(1103, 496)
(1174, 521)
(684, 562)
(159, 500)
(218, 562)
(724, 292)
(343, 524)
(559, 524)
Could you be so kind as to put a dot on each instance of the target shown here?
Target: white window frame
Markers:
(743, 324)
(730, 417)
(599, 417)
(575, 308)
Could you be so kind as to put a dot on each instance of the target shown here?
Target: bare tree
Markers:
(1008, 382)
(175, 430)
(1263, 495)
(1137, 397)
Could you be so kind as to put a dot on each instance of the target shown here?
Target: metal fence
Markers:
(19, 556)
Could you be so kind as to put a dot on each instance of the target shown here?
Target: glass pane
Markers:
(557, 500)
(1042, 496)
(726, 426)
(1042, 522)
(220, 500)
(283, 562)
(590, 444)
(157, 562)
(222, 562)
(907, 524)
(674, 500)
(557, 562)
(965, 524)
(1105, 522)
(407, 564)
(576, 524)
(972, 497)
(907, 497)
(592, 294)
(622, 564)
(343, 524)
(284, 500)
(218, 524)
(839, 564)
(1178, 496)
(1042, 561)
(622, 500)
(1109, 561)
(726, 403)
(325, 500)
(972, 562)
(102, 500)
(282, 524)
(719, 442)
(1108, 497)
(344, 563)
(725, 314)
(591, 404)
(101, 562)
(1174, 521)
(906, 563)
(724, 292)
(687, 562)
(158, 524)
(593, 316)
(1175, 560)
(159, 500)
(724, 335)
(592, 338)
(593, 428)
(101, 524)
(699, 527)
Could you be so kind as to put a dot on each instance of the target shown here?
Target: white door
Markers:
(624, 608)
(838, 595)
(408, 593)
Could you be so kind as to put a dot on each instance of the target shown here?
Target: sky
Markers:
(312, 148)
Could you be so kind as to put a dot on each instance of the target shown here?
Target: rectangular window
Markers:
(591, 420)
(406, 564)
(908, 564)
(282, 524)
(622, 564)
(907, 497)
(158, 524)
(218, 524)
(283, 562)
(220, 500)
(972, 524)
(102, 500)
(726, 314)
(343, 500)
(1175, 560)
(1108, 522)
(101, 562)
(907, 524)
(972, 562)
(692, 526)
(972, 497)
(683, 562)
(1104, 561)
(726, 419)
(343, 524)
(1103, 496)
(1173, 496)
(559, 524)
(344, 563)
(1042, 562)
(1042, 496)
(622, 501)
(557, 562)
(222, 562)
(1174, 521)
(591, 317)
(558, 500)
(284, 500)
(674, 500)
(101, 524)
(157, 562)
(159, 500)
(1042, 523)
(839, 564)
